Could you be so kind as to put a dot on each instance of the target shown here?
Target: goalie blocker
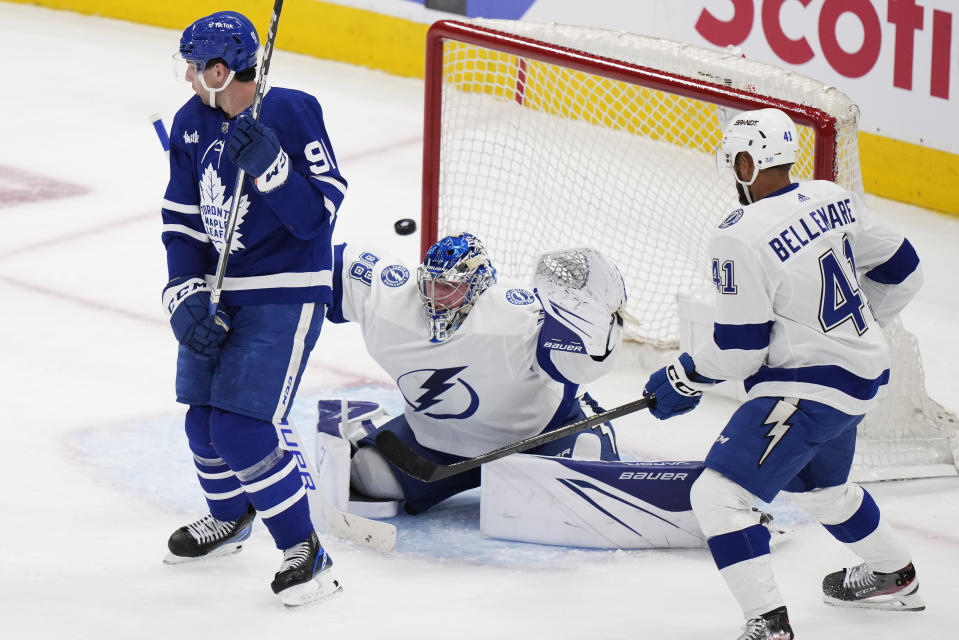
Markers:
(528, 498)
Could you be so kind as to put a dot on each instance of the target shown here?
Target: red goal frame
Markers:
(824, 125)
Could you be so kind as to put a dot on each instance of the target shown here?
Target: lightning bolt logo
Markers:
(434, 386)
(778, 419)
(443, 387)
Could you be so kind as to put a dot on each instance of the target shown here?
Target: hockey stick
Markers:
(217, 287)
(416, 466)
(162, 134)
(380, 536)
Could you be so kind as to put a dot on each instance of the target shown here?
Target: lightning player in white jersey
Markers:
(805, 277)
(238, 371)
(480, 364)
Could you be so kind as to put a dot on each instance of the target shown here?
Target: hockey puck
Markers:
(405, 226)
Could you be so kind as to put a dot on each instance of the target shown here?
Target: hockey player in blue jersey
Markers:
(805, 277)
(239, 371)
(480, 364)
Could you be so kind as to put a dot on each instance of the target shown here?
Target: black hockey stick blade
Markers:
(416, 466)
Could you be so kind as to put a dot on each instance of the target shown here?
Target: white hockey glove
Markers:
(584, 292)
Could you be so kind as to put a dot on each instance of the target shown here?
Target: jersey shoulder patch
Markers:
(520, 297)
(731, 219)
(394, 275)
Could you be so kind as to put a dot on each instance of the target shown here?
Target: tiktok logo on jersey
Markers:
(439, 393)
(215, 211)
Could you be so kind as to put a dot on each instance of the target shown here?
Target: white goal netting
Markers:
(542, 137)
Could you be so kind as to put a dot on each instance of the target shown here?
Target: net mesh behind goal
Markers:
(540, 137)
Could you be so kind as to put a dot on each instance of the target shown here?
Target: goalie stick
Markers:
(416, 466)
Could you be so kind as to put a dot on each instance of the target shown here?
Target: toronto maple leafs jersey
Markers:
(500, 378)
(804, 278)
(281, 250)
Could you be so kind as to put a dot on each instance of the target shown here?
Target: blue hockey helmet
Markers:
(225, 34)
(455, 271)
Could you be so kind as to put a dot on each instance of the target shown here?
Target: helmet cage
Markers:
(454, 273)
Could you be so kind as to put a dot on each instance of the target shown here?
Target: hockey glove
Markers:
(676, 392)
(584, 292)
(187, 300)
(256, 149)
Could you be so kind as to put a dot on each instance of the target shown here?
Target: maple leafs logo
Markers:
(215, 211)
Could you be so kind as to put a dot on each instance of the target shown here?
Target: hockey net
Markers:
(544, 136)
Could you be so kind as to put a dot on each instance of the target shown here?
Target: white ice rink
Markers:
(95, 470)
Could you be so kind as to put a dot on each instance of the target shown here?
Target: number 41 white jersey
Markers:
(804, 278)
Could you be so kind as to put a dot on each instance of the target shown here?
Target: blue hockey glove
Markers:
(187, 300)
(256, 149)
(676, 393)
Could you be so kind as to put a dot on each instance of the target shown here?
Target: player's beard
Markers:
(743, 192)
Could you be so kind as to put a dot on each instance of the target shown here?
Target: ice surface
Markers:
(96, 474)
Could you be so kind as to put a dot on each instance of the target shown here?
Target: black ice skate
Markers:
(773, 625)
(864, 588)
(306, 574)
(209, 537)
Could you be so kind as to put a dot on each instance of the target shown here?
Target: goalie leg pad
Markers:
(333, 469)
(371, 475)
(590, 503)
(341, 425)
(420, 496)
(361, 418)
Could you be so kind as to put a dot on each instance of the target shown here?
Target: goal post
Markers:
(528, 121)
(544, 136)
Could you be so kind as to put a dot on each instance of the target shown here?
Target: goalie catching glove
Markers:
(678, 388)
(187, 300)
(583, 292)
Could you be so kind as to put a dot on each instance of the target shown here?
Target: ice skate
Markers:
(773, 625)
(209, 538)
(306, 574)
(864, 588)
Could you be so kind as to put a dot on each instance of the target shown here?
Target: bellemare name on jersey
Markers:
(809, 226)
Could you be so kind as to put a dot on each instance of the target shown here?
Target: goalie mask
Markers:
(225, 35)
(770, 138)
(455, 271)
